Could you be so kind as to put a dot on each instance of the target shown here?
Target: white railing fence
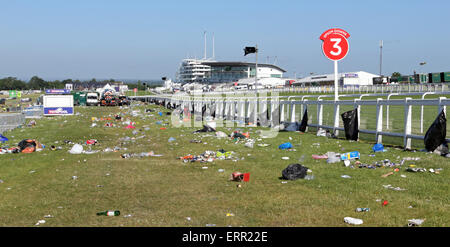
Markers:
(284, 109)
(349, 89)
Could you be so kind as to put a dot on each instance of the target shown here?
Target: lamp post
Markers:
(381, 56)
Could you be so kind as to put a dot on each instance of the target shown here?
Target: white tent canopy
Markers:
(106, 87)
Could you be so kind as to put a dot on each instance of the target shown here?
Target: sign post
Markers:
(335, 47)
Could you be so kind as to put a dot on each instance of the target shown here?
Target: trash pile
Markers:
(139, 155)
(209, 156)
(237, 135)
(25, 146)
(115, 149)
(333, 157)
(412, 168)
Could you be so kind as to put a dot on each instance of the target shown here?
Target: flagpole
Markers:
(256, 71)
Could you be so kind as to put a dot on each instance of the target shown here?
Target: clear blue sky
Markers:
(148, 39)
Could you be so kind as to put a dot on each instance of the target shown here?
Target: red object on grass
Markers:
(385, 203)
(90, 142)
(246, 177)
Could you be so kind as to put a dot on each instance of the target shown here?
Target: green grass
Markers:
(138, 93)
(163, 191)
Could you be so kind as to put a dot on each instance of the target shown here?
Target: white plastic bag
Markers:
(76, 149)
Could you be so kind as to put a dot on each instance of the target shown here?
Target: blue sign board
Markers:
(57, 91)
(351, 75)
(58, 110)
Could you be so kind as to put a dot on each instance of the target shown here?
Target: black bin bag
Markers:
(350, 119)
(294, 171)
(304, 122)
(435, 135)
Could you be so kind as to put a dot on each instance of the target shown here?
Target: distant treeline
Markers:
(143, 85)
(36, 83)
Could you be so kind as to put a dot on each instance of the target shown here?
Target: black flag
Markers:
(350, 119)
(435, 135)
(248, 50)
(304, 122)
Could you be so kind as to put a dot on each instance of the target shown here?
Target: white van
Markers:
(92, 99)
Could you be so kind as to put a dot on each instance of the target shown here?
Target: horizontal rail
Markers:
(233, 108)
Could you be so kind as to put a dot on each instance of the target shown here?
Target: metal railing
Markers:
(241, 108)
(348, 89)
(9, 121)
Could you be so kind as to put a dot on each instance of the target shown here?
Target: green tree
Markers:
(67, 81)
(396, 74)
(12, 83)
(37, 83)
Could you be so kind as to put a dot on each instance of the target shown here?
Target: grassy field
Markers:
(164, 191)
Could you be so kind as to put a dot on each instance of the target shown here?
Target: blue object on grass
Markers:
(378, 147)
(286, 145)
(3, 139)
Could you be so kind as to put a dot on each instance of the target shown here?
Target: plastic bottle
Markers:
(309, 175)
(362, 209)
(109, 213)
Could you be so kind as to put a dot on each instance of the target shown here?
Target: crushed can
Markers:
(350, 155)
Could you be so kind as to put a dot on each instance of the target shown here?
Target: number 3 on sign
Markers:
(335, 43)
(336, 46)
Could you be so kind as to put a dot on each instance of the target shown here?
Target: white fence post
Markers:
(319, 113)
(292, 112)
(358, 111)
(254, 115)
(336, 118)
(378, 136)
(263, 113)
(249, 108)
(441, 106)
(281, 112)
(241, 112)
(218, 112)
(407, 124)
(272, 112)
(228, 109)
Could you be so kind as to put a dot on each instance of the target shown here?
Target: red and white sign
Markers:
(335, 45)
